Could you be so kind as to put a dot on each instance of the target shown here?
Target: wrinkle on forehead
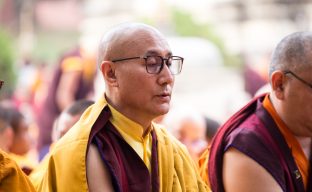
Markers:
(120, 39)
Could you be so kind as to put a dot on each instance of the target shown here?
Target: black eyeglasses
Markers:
(154, 64)
(297, 77)
(1, 83)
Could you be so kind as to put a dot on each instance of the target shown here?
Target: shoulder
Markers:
(249, 135)
(258, 145)
(97, 173)
(67, 164)
(11, 176)
(241, 173)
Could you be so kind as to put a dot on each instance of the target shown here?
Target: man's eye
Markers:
(169, 62)
(153, 61)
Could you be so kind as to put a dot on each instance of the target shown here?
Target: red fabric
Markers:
(127, 169)
(254, 132)
(217, 146)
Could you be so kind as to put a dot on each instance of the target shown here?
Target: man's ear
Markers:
(278, 84)
(108, 72)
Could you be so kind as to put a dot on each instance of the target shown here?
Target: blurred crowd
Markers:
(56, 130)
(48, 100)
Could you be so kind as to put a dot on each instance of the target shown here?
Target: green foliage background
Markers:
(7, 72)
(185, 26)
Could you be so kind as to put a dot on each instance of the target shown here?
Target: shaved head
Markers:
(293, 52)
(129, 87)
(116, 41)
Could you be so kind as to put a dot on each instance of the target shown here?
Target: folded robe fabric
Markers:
(66, 170)
(12, 178)
(254, 132)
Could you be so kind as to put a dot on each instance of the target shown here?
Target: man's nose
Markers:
(166, 76)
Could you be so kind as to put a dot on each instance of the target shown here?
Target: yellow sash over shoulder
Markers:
(66, 169)
(12, 178)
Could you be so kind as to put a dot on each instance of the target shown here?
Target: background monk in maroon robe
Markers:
(266, 146)
(72, 80)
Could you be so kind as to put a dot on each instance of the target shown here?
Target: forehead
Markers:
(306, 72)
(146, 41)
(300, 68)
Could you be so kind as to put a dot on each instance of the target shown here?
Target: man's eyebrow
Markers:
(156, 53)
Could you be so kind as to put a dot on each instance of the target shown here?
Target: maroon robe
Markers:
(126, 168)
(50, 110)
(253, 132)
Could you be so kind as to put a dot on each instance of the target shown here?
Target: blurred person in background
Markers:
(113, 145)
(69, 117)
(25, 80)
(189, 127)
(30, 78)
(72, 80)
(255, 74)
(21, 140)
(266, 146)
(6, 132)
(211, 128)
(62, 124)
(12, 177)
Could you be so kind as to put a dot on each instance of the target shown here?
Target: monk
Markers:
(6, 132)
(266, 146)
(115, 146)
(72, 80)
(62, 124)
(21, 140)
(12, 177)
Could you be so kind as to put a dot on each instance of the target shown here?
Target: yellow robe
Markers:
(36, 175)
(66, 169)
(12, 178)
(23, 161)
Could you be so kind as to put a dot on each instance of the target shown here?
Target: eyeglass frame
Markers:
(164, 61)
(298, 78)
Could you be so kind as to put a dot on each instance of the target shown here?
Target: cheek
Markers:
(308, 110)
(27, 140)
(136, 85)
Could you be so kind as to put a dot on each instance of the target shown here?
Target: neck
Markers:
(288, 120)
(305, 143)
(298, 131)
(4, 147)
(135, 116)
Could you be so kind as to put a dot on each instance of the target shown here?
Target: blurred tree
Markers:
(185, 26)
(6, 65)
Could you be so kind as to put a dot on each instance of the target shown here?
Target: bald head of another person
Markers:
(291, 81)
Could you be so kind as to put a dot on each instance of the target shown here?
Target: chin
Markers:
(161, 111)
(165, 111)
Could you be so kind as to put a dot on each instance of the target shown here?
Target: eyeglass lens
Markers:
(154, 64)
